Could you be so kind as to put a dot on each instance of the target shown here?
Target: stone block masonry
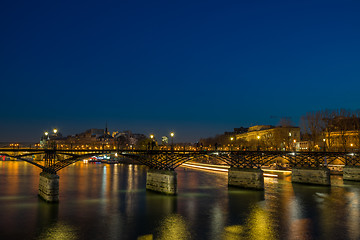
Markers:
(351, 173)
(49, 187)
(246, 178)
(162, 181)
(317, 176)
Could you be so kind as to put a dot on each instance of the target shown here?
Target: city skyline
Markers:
(195, 68)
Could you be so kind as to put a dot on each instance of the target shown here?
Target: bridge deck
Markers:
(53, 160)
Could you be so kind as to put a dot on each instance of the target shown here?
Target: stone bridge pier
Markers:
(251, 178)
(317, 176)
(162, 181)
(49, 187)
(351, 173)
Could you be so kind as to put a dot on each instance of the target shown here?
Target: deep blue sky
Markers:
(195, 67)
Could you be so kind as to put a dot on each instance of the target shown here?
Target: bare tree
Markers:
(312, 124)
(342, 124)
(338, 127)
(357, 128)
(285, 122)
(328, 117)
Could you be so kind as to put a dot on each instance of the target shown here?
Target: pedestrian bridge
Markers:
(245, 166)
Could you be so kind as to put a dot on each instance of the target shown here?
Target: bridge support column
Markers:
(351, 173)
(317, 176)
(246, 178)
(49, 187)
(163, 181)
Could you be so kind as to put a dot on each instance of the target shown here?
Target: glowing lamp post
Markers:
(46, 135)
(152, 141)
(45, 139)
(172, 134)
(325, 160)
(231, 142)
(258, 146)
(289, 141)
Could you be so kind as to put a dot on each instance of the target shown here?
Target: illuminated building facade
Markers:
(267, 137)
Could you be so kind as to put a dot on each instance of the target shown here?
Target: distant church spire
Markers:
(106, 129)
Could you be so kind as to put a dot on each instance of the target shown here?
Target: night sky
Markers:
(194, 67)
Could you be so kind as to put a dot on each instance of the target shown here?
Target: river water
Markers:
(100, 201)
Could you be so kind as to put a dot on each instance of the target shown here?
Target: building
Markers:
(267, 137)
(341, 134)
(93, 139)
(303, 145)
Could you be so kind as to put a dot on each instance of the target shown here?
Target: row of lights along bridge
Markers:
(50, 141)
(151, 145)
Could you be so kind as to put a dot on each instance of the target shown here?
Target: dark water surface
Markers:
(99, 201)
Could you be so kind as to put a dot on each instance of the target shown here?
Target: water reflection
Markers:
(59, 231)
(48, 225)
(353, 211)
(174, 227)
(258, 225)
(98, 202)
(217, 220)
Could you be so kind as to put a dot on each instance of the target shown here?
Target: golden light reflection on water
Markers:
(233, 232)
(354, 214)
(173, 227)
(258, 226)
(59, 231)
(208, 210)
(300, 228)
(146, 237)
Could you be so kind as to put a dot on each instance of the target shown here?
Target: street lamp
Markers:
(294, 144)
(172, 134)
(325, 160)
(152, 141)
(55, 130)
(258, 138)
(289, 140)
(231, 139)
(46, 135)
